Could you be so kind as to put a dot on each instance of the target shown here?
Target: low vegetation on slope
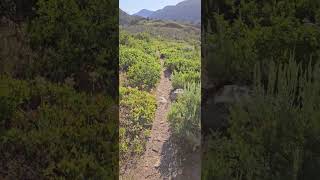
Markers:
(141, 53)
(58, 89)
(136, 115)
(274, 134)
(184, 117)
(47, 130)
(140, 71)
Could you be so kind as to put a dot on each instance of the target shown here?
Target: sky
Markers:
(133, 6)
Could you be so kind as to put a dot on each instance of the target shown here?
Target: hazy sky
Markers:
(133, 6)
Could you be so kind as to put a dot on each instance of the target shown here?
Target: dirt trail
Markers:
(161, 160)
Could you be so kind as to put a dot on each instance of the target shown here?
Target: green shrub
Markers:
(273, 135)
(148, 48)
(125, 39)
(239, 36)
(75, 36)
(137, 111)
(131, 56)
(144, 75)
(143, 36)
(49, 131)
(169, 52)
(180, 79)
(181, 64)
(184, 115)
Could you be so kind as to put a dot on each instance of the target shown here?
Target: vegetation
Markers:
(183, 60)
(74, 41)
(137, 113)
(274, 134)
(140, 72)
(241, 33)
(141, 53)
(179, 79)
(144, 75)
(184, 116)
(58, 89)
(53, 131)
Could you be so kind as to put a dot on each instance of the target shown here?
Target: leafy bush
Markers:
(75, 37)
(184, 115)
(50, 131)
(238, 36)
(180, 79)
(137, 111)
(181, 64)
(169, 52)
(125, 39)
(175, 50)
(144, 37)
(273, 135)
(130, 56)
(144, 75)
(13, 9)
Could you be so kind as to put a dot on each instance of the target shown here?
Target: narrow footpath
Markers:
(160, 160)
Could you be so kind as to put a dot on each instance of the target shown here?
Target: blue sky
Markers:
(133, 6)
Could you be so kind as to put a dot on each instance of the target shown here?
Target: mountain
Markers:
(188, 10)
(126, 19)
(144, 13)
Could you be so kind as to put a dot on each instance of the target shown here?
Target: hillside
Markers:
(126, 19)
(144, 13)
(187, 11)
(165, 28)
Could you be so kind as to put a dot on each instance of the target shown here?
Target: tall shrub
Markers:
(273, 135)
(184, 115)
(74, 39)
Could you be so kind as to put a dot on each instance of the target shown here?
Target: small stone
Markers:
(162, 100)
(157, 164)
(174, 95)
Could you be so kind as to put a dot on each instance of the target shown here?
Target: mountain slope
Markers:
(188, 10)
(125, 19)
(144, 13)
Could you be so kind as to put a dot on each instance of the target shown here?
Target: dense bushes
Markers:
(62, 124)
(138, 61)
(273, 135)
(137, 110)
(184, 115)
(17, 9)
(75, 37)
(130, 56)
(179, 79)
(183, 60)
(144, 75)
(181, 64)
(179, 57)
(140, 72)
(238, 35)
(50, 131)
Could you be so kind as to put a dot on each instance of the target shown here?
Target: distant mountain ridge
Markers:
(144, 13)
(125, 18)
(188, 11)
